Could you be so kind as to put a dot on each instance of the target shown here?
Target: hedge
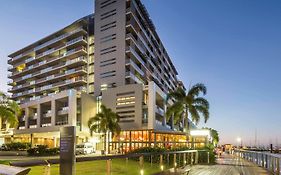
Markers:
(42, 150)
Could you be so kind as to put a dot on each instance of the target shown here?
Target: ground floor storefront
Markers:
(133, 139)
(125, 142)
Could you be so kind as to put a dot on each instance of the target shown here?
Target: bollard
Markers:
(127, 161)
(151, 158)
(277, 166)
(191, 158)
(161, 163)
(141, 165)
(272, 164)
(208, 155)
(184, 159)
(175, 163)
(47, 169)
(108, 167)
(196, 157)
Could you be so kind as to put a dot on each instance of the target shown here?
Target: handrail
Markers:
(94, 158)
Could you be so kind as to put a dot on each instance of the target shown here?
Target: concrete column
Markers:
(53, 112)
(151, 105)
(72, 107)
(38, 116)
(164, 118)
(26, 117)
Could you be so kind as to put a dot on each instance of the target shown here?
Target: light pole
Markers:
(239, 140)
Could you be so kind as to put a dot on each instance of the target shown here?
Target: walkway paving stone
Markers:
(229, 165)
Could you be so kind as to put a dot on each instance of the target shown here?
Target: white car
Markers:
(84, 148)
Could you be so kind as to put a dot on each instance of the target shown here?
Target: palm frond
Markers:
(204, 111)
(196, 89)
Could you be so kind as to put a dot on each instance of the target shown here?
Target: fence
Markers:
(138, 163)
(269, 161)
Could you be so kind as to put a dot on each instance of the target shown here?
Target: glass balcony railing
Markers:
(58, 38)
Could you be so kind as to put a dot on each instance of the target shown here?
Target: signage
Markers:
(67, 150)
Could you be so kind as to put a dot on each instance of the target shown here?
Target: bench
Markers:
(12, 170)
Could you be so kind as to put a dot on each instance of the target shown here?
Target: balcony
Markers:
(61, 47)
(135, 54)
(63, 111)
(47, 114)
(136, 67)
(160, 111)
(137, 43)
(20, 56)
(58, 38)
(135, 78)
(73, 51)
(64, 122)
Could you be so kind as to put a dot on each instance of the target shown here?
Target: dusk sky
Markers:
(232, 46)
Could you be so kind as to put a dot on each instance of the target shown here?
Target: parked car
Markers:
(85, 148)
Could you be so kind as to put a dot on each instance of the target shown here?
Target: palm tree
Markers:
(190, 103)
(104, 122)
(215, 136)
(9, 110)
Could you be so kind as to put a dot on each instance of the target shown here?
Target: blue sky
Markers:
(233, 46)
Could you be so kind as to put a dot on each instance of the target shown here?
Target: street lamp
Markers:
(239, 140)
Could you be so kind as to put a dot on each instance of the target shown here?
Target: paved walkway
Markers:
(229, 165)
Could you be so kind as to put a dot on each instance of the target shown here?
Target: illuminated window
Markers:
(20, 67)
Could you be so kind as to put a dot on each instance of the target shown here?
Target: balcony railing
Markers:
(58, 38)
(65, 122)
(135, 66)
(47, 114)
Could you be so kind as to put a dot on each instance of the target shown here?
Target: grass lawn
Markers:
(119, 167)
(5, 162)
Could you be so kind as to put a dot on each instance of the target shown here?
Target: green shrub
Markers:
(42, 150)
(202, 155)
(16, 146)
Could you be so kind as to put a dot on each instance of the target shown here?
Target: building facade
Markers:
(113, 57)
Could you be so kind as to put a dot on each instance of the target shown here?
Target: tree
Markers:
(104, 122)
(9, 110)
(215, 136)
(190, 103)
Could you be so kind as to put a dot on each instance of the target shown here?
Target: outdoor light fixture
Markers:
(200, 132)
(239, 139)
(162, 167)
(141, 172)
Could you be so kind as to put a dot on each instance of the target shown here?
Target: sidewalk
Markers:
(230, 165)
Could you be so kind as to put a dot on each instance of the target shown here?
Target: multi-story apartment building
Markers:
(114, 57)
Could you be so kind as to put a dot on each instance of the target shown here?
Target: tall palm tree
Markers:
(9, 110)
(189, 103)
(104, 122)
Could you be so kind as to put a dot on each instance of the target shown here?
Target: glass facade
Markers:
(130, 140)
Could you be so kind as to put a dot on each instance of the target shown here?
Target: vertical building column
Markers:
(72, 107)
(26, 117)
(164, 118)
(38, 116)
(151, 105)
(53, 112)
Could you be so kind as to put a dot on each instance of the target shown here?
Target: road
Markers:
(229, 165)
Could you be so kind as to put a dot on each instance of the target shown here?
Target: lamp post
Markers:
(239, 140)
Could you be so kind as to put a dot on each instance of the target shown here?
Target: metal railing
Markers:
(170, 161)
(267, 160)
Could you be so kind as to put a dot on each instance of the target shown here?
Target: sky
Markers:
(233, 47)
